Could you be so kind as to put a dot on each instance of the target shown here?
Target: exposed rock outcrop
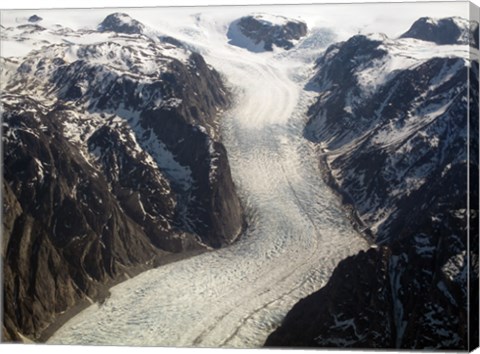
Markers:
(35, 18)
(121, 23)
(450, 30)
(265, 31)
(393, 136)
(113, 164)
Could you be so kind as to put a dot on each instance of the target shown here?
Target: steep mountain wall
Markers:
(113, 164)
(392, 126)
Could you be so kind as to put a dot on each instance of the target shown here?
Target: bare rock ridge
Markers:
(113, 164)
(265, 31)
(121, 23)
(35, 18)
(451, 30)
(394, 138)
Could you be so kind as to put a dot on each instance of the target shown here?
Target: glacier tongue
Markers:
(297, 232)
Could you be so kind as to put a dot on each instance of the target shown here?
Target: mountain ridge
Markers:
(393, 136)
(112, 163)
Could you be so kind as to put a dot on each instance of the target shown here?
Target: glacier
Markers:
(297, 230)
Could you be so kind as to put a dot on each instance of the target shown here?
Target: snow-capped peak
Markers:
(258, 32)
(121, 23)
(449, 30)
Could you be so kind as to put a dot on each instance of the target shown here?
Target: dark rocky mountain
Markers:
(121, 23)
(392, 130)
(266, 31)
(34, 18)
(113, 164)
(31, 28)
(451, 30)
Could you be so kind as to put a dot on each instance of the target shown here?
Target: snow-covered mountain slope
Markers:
(394, 102)
(451, 30)
(112, 162)
(260, 32)
(392, 122)
(121, 23)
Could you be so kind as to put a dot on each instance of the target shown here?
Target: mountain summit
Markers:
(450, 30)
(112, 164)
(393, 129)
(264, 31)
(121, 23)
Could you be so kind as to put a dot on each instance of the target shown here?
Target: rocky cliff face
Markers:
(409, 294)
(121, 23)
(451, 30)
(112, 163)
(265, 31)
(392, 127)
